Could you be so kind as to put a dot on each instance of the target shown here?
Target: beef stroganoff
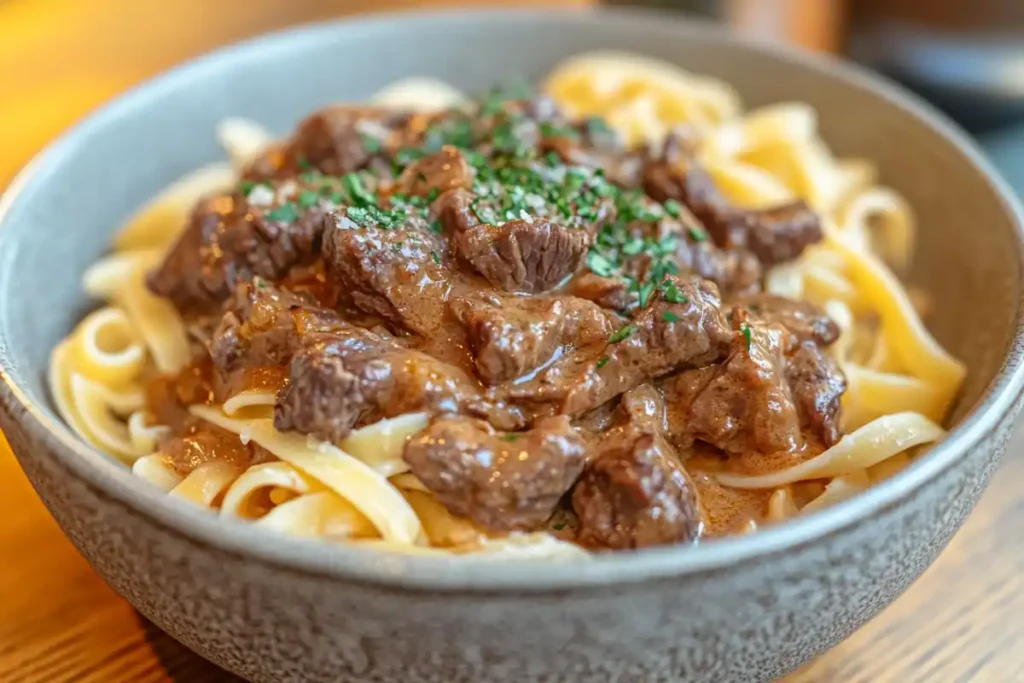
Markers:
(615, 313)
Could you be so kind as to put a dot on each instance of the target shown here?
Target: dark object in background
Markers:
(965, 56)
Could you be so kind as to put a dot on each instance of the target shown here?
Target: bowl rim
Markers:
(318, 559)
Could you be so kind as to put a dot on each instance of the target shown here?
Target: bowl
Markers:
(748, 608)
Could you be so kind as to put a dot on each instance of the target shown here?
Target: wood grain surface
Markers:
(60, 623)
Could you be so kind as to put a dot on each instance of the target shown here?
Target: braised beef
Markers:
(604, 291)
(512, 336)
(454, 209)
(230, 239)
(446, 170)
(503, 481)
(330, 389)
(682, 327)
(399, 273)
(635, 493)
(804, 320)
(817, 384)
(747, 406)
(773, 394)
(550, 298)
(774, 234)
(528, 256)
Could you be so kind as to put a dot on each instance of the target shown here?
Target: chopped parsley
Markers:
(600, 264)
(559, 526)
(672, 294)
(357, 194)
(247, 186)
(697, 234)
(437, 259)
(286, 213)
(673, 208)
(745, 329)
(670, 317)
(510, 437)
(602, 362)
(307, 199)
(550, 130)
(371, 144)
(304, 164)
(622, 333)
(645, 292)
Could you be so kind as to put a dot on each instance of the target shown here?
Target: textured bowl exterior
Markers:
(745, 609)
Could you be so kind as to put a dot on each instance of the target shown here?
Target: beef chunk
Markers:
(817, 384)
(512, 336)
(330, 388)
(351, 376)
(774, 235)
(773, 394)
(747, 407)
(230, 239)
(734, 271)
(454, 209)
(503, 481)
(397, 273)
(804, 320)
(523, 256)
(611, 293)
(681, 327)
(343, 138)
(441, 172)
(262, 327)
(509, 335)
(635, 493)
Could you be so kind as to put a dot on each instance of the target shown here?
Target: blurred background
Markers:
(60, 58)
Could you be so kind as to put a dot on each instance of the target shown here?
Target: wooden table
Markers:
(60, 622)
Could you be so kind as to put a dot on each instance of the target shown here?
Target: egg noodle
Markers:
(901, 383)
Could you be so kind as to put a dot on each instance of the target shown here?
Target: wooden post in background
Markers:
(813, 24)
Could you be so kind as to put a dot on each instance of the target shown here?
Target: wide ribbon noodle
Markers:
(901, 382)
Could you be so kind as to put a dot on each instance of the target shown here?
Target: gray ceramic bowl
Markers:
(748, 608)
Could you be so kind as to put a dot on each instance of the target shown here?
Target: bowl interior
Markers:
(60, 216)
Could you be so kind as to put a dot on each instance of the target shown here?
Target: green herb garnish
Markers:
(307, 199)
(559, 526)
(644, 293)
(697, 234)
(673, 208)
(672, 293)
(600, 264)
(286, 213)
(437, 259)
(509, 437)
(745, 329)
(357, 194)
(670, 317)
(633, 246)
(304, 164)
(550, 130)
(371, 144)
(602, 362)
(247, 186)
(622, 334)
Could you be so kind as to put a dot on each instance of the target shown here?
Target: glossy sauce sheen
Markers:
(590, 351)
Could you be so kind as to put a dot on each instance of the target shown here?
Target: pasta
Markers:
(901, 383)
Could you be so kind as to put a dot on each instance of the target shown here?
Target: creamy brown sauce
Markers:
(591, 353)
